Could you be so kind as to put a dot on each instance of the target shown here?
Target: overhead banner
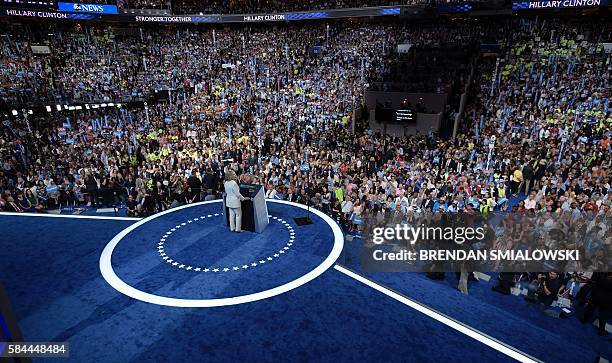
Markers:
(87, 8)
(46, 14)
(560, 4)
(110, 12)
(459, 8)
(173, 19)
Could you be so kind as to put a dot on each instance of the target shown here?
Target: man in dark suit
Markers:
(196, 187)
(601, 299)
(427, 203)
(147, 204)
(210, 180)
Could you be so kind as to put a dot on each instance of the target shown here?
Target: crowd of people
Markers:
(543, 113)
(281, 106)
(93, 63)
(542, 109)
(260, 75)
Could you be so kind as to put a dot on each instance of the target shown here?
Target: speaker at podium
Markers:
(254, 210)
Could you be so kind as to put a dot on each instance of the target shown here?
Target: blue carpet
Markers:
(508, 318)
(50, 269)
(229, 264)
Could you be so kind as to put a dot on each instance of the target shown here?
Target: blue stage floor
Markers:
(202, 260)
(50, 268)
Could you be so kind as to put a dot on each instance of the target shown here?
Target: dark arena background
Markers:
(135, 133)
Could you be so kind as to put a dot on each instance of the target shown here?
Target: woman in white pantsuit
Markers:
(232, 200)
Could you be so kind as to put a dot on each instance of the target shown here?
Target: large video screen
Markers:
(403, 116)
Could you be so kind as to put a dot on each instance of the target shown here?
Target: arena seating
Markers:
(285, 104)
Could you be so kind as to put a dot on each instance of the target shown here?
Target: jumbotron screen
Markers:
(404, 116)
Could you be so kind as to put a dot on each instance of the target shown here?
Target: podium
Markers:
(254, 211)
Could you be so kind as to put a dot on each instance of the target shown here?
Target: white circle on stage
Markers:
(111, 277)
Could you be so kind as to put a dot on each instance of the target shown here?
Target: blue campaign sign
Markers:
(87, 8)
(560, 4)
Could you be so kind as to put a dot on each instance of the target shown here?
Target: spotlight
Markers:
(14, 112)
(48, 108)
